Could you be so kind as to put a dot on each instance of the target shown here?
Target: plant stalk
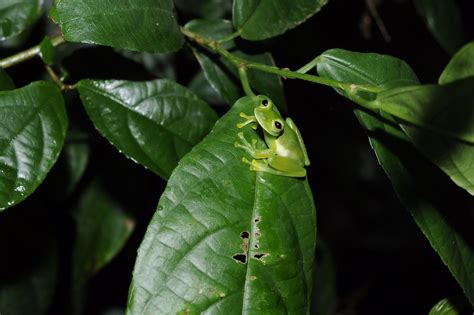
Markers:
(28, 54)
(285, 73)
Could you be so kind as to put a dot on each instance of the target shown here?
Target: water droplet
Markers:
(160, 208)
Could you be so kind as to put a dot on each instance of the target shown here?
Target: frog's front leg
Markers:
(248, 120)
(252, 149)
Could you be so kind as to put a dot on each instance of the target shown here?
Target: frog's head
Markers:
(268, 116)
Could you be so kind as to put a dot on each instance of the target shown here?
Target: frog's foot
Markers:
(248, 120)
(251, 147)
(245, 144)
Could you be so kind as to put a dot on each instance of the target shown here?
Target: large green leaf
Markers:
(17, 15)
(223, 76)
(32, 132)
(423, 191)
(443, 19)
(224, 239)
(102, 228)
(142, 25)
(154, 122)
(261, 19)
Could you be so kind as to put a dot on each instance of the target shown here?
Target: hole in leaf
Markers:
(260, 256)
(244, 235)
(257, 219)
(241, 258)
(256, 246)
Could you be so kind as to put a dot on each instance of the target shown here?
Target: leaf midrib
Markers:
(120, 102)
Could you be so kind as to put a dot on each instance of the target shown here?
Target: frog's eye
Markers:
(265, 103)
(278, 125)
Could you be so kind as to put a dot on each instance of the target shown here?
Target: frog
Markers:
(286, 153)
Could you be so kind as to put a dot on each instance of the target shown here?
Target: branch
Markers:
(28, 54)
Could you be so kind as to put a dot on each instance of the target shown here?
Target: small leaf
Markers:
(460, 66)
(32, 132)
(220, 77)
(141, 25)
(17, 15)
(102, 230)
(204, 90)
(76, 155)
(262, 19)
(47, 51)
(443, 19)
(226, 239)
(154, 123)
(423, 192)
(6, 82)
(212, 30)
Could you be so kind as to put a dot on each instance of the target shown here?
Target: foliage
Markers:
(224, 238)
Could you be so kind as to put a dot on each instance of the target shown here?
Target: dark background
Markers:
(383, 263)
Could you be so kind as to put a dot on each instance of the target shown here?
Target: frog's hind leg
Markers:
(262, 166)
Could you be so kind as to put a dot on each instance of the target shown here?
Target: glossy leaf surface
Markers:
(261, 19)
(102, 229)
(224, 239)
(154, 123)
(141, 25)
(32, 132)
(17, 15)
(423, 191)
(443, 19)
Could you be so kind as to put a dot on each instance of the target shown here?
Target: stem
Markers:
(28, 54)
(310, 65)
(58, 81)
(245, 81)
(285, 73)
